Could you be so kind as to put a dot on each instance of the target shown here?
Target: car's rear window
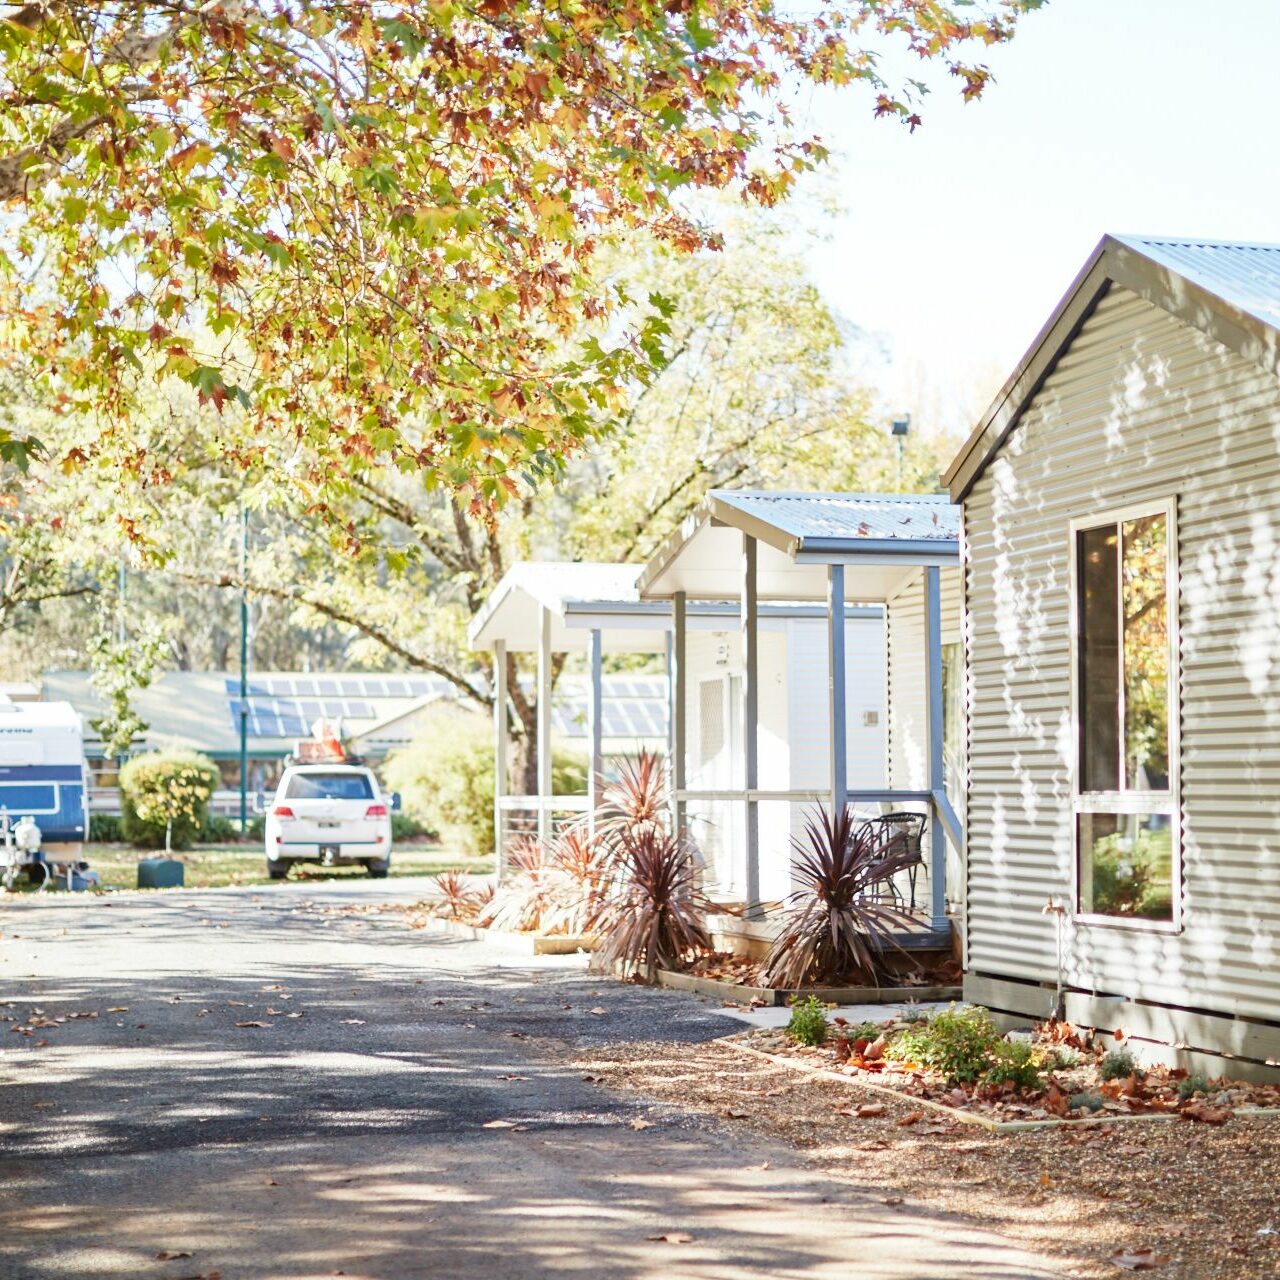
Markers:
(329, 786)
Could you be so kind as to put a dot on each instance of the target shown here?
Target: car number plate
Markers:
(328, 850)
(329, 826)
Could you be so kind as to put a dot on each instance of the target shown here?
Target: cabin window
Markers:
(1125, 801)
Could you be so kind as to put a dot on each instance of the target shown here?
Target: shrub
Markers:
(552, 888)
(955, 1042)
(105, 828)
(835, 927)
(164, 797)
(406, 826)
(1198, 1082)
(1014, 1062)
(1090, 1101)
(446, 781)
(1118, 1064)
(808, 1024)
(217, 829)
(864, 1031)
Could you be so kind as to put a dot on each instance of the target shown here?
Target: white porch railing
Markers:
(716, 820)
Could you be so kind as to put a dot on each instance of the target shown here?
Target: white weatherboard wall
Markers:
(793, 740)
(1140, 408)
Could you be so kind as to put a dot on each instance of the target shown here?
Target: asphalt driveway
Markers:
(276, 1083)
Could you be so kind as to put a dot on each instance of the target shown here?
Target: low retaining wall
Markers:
(769, 997)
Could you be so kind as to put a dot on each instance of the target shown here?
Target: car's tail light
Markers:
(376, 811)
(282, 811)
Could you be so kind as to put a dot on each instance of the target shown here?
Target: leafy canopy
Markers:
(370, 231)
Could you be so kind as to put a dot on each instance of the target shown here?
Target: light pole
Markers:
(900, 429)
(244, 672)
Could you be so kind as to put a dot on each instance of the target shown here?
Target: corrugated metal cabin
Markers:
(1121, 513)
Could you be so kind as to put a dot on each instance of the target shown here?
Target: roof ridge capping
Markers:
(1227, 289)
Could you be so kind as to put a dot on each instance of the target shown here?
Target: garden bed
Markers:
(531, 944)
(957, 1063)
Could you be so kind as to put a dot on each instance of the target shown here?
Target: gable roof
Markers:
(800, 523)
(1228, 290)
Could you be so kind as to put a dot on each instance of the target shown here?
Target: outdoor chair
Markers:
(894, 832)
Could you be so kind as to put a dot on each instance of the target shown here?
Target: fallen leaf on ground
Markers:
(353, 1022)
(674, 1237)
(119, 1008)
(253, 1024)
(892, 1200)
(236, 1002)
(913, 1117)
(639, 1123)
(168, 1255)
(1138, 1259)
(270, 1182)
(731, 1113)
(597, 1011)
(499, 1124)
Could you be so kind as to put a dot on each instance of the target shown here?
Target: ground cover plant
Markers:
(960, 1058)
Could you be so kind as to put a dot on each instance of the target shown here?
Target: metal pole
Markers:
(544, 724)
(595, 652)
(679, 687)
(750, 721)
(836, 688)
(937, 774)
(244, 672)
(499, 750)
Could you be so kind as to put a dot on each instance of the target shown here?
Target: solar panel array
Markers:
(287, 706)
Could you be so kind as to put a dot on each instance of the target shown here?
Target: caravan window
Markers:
(1125, 654)
(17, 798)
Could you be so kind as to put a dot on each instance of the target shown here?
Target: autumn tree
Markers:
(375, 230)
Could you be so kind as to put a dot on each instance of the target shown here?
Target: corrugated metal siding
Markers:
(1140, 408)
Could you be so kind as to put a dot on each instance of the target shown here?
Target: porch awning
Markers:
(880, 539)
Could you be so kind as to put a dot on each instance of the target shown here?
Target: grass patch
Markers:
(217, 866)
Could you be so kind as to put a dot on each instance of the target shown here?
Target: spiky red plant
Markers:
(456, 901)
(638, 795)
(837, 927)
(655, 913)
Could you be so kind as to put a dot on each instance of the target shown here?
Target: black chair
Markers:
(894, 833)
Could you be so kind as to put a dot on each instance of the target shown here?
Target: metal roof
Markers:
(1247, 275)
(851, 518)
(200, 709)
(881, 539)
(1229, 290)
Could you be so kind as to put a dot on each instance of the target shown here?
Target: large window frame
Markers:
(1127, 801)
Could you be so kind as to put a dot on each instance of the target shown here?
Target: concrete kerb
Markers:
(968, 1117)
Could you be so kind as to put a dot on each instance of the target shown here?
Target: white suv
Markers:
(334, 814)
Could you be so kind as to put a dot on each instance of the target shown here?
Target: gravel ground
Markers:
(1205, 1198)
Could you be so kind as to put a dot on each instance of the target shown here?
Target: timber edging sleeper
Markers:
(968, 1117)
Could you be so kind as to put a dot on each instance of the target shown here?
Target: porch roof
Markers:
(880, 538)
(581, 597)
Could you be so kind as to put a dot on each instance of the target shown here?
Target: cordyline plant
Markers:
(654, 916)
(637, 798)
(456, 900)
(373, 228)
(836, 925)
(554, 887)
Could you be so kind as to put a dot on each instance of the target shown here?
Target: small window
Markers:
(329, 786)
(1125, 802)
(17, 798)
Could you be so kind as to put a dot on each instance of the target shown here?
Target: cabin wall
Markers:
(794, 739)
(1139, 409)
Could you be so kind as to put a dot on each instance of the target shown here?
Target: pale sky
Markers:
(954, 244)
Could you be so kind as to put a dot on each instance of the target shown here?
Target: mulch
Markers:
(1184, 1201)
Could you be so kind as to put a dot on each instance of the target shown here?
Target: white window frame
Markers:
(1124, 801)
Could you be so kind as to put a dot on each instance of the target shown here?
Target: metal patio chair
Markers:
(894, 832)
